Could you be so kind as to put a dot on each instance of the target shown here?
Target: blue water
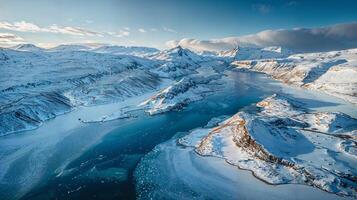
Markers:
(105, 171)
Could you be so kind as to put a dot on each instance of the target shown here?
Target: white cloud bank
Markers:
(119, 34)
(24, 26)
(170, 30)
(9, 39)
(341, 36)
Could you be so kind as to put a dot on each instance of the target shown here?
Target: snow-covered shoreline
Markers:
(48, 149)
(332, 72)
(36, 150)
(284, 143)
(192, 176)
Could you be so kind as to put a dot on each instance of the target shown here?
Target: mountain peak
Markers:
(177, 53)
(26, 47)
(180, 51)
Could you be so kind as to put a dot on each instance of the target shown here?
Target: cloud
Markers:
(262, 8)
(121, 33)
(337, 37)
(169, 30)
(24, 26)
(124, 33)
(9, 39)
(141, 30)
(72, 31)
(20, 26)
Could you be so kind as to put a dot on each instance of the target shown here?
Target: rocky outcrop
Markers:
(179, 94)
(29, 112)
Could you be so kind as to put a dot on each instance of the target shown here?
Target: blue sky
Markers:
(154, 22)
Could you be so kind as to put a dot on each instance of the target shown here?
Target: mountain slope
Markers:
(250, 53)
(70, 47)
(27, 47)
(123, 50)
(177, 62)
(49, 83)
(332, 72)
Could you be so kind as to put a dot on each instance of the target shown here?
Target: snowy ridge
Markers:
(284, 143)
(252, 53)
(84, 76)
(177, 62)
(179, 94)
(50, 83)
(27, 47)
(123, 50)
(70, 47)
(177, 54)
(28, 113)
(114, 88)
(331, 72)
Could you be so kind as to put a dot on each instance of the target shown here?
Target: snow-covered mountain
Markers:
(181, 93)
(107, 49)
(333, 72)
(126, 50)
(250, 53)
(49, 83)
(177, 62)
(27, 47)
(177, 54)
(55, 81)
(70, 47)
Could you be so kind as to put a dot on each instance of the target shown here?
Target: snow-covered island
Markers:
(282, 142)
